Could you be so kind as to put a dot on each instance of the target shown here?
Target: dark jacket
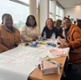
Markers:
(59, 32)
(49, 32)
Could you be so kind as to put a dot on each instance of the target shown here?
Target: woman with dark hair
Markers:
(29, 23)
(9, 35)
(49, 28)
(72, 40)
(30, 31)
(59, 28)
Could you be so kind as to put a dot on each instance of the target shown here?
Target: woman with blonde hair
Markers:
(49, 28)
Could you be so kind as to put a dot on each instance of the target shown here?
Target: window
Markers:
(38, 12)
(51, 9)
(59, 12)
(25, 1)
(17, 9)
(55, 10)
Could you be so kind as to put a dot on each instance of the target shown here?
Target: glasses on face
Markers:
(65, 23)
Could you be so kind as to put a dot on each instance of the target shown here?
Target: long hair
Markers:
(27, 21)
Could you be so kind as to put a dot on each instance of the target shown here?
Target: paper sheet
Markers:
(18, 63)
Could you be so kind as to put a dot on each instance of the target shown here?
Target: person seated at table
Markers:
(72, 40)
(9, 35)
(59, 28)
(49, 28)
(30, 31)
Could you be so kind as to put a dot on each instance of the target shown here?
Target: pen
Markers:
(42, 66)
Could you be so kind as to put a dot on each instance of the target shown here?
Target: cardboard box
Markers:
(49, 68)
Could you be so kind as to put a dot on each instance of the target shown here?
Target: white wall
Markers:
(44, 13)
(33, 7)
(73, 12)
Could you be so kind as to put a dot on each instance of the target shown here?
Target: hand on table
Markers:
(62, 42)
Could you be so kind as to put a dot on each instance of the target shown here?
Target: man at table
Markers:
(72, 40)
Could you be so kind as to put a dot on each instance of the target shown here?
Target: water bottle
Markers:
(44, 35)
(53, 37)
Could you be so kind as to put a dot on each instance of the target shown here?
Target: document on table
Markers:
(18, 63)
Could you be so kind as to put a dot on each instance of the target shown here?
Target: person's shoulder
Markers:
(1, 26)
(16, 29)
(54, 28)
(75, 27)
(37, 26)
(24, 26)
(45, 27)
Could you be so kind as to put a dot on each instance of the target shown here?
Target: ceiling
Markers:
(69, 3)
